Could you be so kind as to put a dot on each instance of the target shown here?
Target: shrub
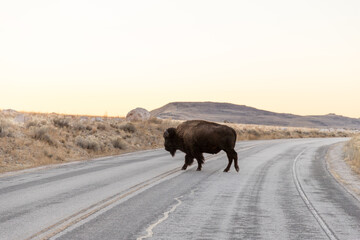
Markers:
(155, 120)
(2, 132)
(253, 132)
(128, 127)
(43, 135)
(31, 124)
(48, 154)
(87, 143)
(118, 143)
(101, 126)
(4, 129)
(61, 122)
(79, 127)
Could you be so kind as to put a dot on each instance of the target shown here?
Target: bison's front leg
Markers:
(188, 161)
(184, 167)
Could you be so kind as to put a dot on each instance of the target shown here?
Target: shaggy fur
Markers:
(196, 137)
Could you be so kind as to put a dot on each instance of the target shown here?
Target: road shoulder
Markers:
(341, 171)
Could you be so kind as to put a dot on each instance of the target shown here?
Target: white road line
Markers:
(69, 221)
(306, 200)
(166, 215)
(65, 223)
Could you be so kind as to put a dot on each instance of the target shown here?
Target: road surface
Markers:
(283, 191)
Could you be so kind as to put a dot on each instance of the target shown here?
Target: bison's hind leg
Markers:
(200, 160)
(236, 161)
(232, 155)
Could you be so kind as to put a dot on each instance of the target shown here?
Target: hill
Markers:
(227, 112)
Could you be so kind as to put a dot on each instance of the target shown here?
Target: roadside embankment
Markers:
(352, 154)
(32, 139)
(343, 171)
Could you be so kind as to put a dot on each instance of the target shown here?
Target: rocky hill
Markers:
(226, 112)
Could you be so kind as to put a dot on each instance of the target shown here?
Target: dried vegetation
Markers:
(33, 139)
(352, 153)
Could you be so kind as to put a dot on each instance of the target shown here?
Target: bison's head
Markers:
(170, 143)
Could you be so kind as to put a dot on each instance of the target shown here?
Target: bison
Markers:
(196, 137)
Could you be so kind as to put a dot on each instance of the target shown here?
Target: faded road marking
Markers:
(65, 223)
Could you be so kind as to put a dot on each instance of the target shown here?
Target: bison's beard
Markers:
(172, 152)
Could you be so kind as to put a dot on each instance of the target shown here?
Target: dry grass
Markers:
(42, 139)
(257, 132)
(352, 153)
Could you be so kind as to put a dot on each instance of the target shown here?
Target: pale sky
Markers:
(108, 57)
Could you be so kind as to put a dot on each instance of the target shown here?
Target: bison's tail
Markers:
(234, 133)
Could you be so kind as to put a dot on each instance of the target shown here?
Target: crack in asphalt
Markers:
(166, 215)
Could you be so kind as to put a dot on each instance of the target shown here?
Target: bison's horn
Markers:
(166, 134)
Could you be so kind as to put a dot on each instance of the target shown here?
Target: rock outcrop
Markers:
(138, 114)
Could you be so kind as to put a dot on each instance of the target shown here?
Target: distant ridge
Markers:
(227, 112)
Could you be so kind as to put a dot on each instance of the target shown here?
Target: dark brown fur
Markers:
(196, 137)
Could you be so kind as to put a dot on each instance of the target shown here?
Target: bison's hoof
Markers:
(226, 170)
(237, 169)
(183, 168)
(198, 169)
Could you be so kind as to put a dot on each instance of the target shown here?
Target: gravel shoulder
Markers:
(341, 171)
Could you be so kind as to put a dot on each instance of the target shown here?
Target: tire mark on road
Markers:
(248, 211)
(331, 235)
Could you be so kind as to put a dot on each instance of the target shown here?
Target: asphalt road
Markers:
(283, 191)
